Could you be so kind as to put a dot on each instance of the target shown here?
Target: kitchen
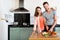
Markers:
(7, 13)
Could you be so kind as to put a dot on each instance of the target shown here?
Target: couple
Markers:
(45, 21)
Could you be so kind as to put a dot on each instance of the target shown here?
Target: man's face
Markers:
(46, 6)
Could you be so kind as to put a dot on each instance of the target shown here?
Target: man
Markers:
(50, 17)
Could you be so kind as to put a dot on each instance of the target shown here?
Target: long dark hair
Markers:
(36, 13)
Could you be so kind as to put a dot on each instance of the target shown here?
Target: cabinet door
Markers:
(20, 33)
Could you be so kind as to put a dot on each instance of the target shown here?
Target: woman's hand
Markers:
(54, 8)
(34, 28)
(34, 32)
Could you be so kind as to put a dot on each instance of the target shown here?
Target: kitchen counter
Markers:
(15, 30)
(34, 36)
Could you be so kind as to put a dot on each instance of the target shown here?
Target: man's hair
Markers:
(45, 3)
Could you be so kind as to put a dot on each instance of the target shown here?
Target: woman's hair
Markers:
(36, 13)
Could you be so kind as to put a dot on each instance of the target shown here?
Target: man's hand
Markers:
(51, 29)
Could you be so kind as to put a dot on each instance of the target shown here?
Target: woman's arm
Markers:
(35, 23)
(53, 9)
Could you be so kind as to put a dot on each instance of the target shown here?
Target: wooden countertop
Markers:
(35, 36)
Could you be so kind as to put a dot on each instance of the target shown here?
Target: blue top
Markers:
(49, 17)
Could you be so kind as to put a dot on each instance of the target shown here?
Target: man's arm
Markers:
(55, 22)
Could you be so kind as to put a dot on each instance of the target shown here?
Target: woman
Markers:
(39, 20)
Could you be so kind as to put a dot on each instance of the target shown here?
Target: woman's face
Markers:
(39, 10)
